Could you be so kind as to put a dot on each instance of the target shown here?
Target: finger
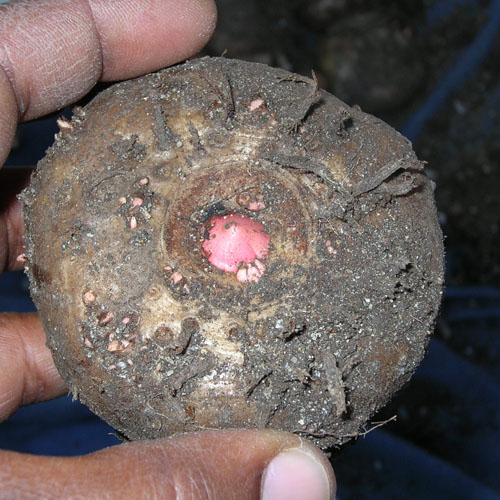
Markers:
(28, 374)
(8, 113)
(215, 464)
(52, 52)
(164, 32)
(55, 50)
(11, 222)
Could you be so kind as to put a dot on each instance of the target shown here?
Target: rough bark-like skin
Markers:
(155, 339)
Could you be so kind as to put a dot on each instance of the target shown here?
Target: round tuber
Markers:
(222, 244)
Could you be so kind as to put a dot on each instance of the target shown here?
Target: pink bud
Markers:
(232, 240)
(21, 258)
(177, 277)
(255, 104)
(256, 206)
(251, 273)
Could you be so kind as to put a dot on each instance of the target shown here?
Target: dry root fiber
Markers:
(222, 244)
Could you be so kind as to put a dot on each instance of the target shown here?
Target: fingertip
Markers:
(298, 473)
(149, 35)
(205, 14)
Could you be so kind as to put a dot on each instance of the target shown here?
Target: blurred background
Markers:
(431, 69)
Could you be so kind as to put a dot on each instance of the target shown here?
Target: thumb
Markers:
(213, 464)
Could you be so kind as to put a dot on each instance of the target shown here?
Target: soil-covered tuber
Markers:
(222, 244)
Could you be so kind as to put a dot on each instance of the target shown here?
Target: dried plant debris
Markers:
(222, 244)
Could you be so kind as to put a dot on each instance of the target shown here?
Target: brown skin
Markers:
(43, 69)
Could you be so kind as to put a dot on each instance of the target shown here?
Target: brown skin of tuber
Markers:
(353, 278)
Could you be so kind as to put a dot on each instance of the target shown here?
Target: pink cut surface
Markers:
(233, 240)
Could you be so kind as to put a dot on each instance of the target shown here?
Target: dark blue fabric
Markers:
(60, 427)
(465, 65)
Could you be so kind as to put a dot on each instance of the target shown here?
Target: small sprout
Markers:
(144, 181)
(126, 320)
(105, 317)
(21, 258)
(88, 342)
(251, 272)
(122, 200)
(242, 275)
(177, 277)
(137, 202)
(256, 104)
(251, 202)
(256, 206)
(64, 124)
(118, 345)
(89, 297)
(114, 346)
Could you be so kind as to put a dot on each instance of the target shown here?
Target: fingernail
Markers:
(295, 475)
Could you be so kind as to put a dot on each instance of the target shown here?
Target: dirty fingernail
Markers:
(295, 475)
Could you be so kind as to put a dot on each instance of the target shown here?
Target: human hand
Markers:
(52, 52)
